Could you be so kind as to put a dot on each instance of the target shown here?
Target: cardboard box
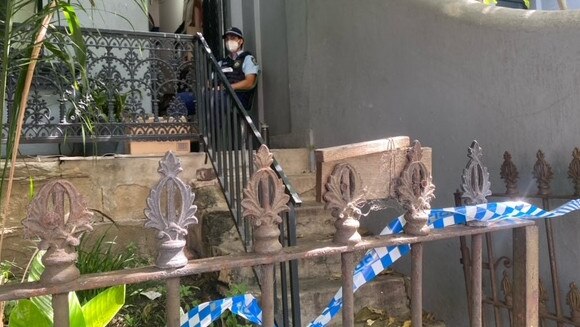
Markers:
(159, 147)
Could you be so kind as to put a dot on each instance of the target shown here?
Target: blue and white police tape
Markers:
(379, 259)
(245, 306)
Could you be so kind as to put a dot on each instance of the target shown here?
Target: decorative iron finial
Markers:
(344, 196)
(58, 215)
(543, 298)
(509, 173)
(264, 201)
(574, 171)
(506, 287)
(415, 192)
(542, 173)
(475, 181)
(170, 210)
(573, 300)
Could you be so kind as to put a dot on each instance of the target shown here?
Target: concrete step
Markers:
(304, 184)
(293, 161)
(387, 292)
(313, 221)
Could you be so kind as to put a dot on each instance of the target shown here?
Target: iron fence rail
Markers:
(307, 251)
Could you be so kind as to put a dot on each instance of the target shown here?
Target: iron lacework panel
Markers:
(134, 78)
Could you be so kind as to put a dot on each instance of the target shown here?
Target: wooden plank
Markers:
(362, 148)
(526, 277)
(378, 165)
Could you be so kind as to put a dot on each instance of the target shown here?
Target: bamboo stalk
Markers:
(563, 4)
(39, 41)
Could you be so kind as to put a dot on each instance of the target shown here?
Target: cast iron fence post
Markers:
(170, 210)
(264, 201)
(58, 215)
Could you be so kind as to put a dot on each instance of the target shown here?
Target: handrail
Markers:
(229, 137)
(294, 197)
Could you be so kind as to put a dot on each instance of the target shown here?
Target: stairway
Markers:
(319, 277)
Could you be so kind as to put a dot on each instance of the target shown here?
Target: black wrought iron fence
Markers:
(141, 88)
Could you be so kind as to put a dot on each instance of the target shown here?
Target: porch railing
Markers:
(230, 138)
(134, 79)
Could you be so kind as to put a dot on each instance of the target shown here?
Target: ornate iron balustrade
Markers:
(134, 78)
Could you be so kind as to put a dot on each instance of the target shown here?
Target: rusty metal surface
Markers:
(574, 171)
(417, 284)
(543, 174)
(308, 250)
(347, 268)
(573, 300)
(170, 210)
(344, 197)
(267, 298)
(173, 298)
(58, 216)
(61, 310)
(415, 191)
(476, 280)
(509, 173)
(264, 201)
(475, 185)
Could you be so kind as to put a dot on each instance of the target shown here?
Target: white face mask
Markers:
(232, 45)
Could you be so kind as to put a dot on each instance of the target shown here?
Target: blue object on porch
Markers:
(379, 259)
(189, 100)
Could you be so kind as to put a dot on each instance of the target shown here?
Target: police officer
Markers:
(240, 67)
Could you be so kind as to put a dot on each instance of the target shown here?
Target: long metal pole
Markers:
(553, 263)
(476, 280)
(267, 300)
(61, 311)
(347, 267)
(417, 284)
(172, 310)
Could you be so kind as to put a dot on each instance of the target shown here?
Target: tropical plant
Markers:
(19, 58)
(101, 256)
(37, 312)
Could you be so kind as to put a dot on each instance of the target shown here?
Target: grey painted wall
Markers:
(443, 72)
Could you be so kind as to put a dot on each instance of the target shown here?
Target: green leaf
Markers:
(101, 309)
(27, 314)
(30, 188)
(43, 303)
(76, 316)
(527, 3)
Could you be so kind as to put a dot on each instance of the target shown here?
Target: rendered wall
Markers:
(443, 72)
